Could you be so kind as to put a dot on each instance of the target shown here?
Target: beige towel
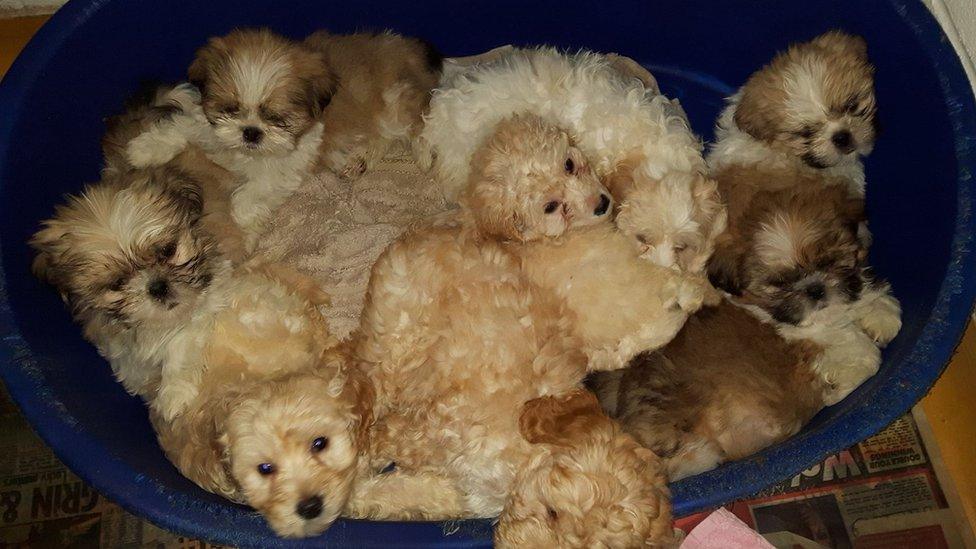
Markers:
(334, 229)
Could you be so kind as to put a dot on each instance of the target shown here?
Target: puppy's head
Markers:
(794, 252)
(129, 250)
(528, 181)
(261, 92)
(674, 221)
(814, 101)
(293, 444)
(592, 486)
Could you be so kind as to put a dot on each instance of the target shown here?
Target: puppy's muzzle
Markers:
(603, 207)
(309, 508)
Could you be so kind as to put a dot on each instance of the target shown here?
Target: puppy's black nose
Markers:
(603, 206)
(309, 507)
(816, 292)
(252, 134)
(843, 140)
(158, 288)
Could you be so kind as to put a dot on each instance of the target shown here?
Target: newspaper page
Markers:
(44, 505)
(883, 493)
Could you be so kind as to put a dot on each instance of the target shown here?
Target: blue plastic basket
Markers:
(84, 62)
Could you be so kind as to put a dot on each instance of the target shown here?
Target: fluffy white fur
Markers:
(611, 115)
(636, 139)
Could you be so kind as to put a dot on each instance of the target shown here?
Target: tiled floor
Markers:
(950, 406)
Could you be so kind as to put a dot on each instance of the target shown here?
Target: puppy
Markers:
(569, 495)
(255, 110)
(727, 386)
(639, 142)
(382, 84)
(163, 105)
(801, 331)
(132, 262)
(457, 336)
(794, 257)
(285, 444)
(265, 101)
(810, 111)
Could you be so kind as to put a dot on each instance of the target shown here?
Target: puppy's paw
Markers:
(152, 149)
(690, 293)
(881, 319)
(347, 164)
(881, 328)
(354, 169)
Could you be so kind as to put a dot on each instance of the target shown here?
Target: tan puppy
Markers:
(189, 168)
(575, 493)
(382, 84)
(802, 331)
(132, 261)
(456, 337)
(725, 388)
(809, 112)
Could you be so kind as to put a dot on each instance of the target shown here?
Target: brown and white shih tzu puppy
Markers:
(271, 108)
(130, 259)
(810, 110)
(801, 330)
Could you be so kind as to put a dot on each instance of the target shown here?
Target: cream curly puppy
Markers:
(638, 140)
(579, 492)
(295, 446)
(461, 327)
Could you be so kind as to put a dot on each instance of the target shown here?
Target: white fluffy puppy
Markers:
(638, 141)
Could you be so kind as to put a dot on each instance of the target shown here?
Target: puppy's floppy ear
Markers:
(725, 266)
(50, 244)
(182, 187)
(841, 42)
(756, 113)
(710, 204)
(206, 57)
(493, 217)
(319, 82)
(562, 420)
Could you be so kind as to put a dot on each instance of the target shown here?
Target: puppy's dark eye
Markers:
(230, 110)
(806, 132)
(266, 468)
(319, 444)
(551, 206)
(273, 117)
(552, 513)
(851, 105)
(570, 166)
(642, 239)
(168, 251)
(118, 284)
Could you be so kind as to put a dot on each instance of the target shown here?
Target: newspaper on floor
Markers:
(886, 492)
(43, 504)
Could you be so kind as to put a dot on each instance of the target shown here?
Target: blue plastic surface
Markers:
(93, 53)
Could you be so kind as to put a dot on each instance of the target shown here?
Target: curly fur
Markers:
(457, 334)
(638, 140)
(579, 491)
